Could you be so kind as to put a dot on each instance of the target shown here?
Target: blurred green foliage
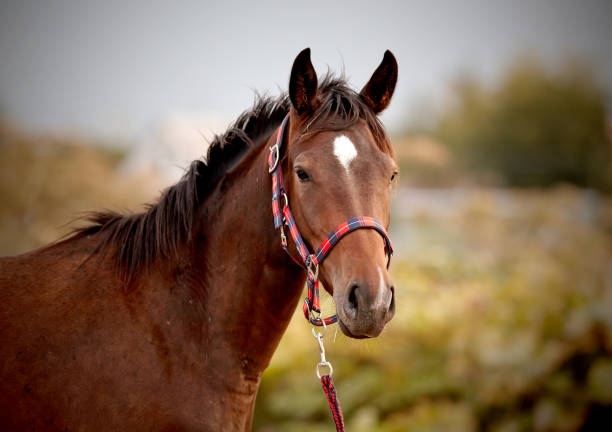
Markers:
(534, 127)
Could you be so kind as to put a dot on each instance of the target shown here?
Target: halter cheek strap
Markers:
(311, 261)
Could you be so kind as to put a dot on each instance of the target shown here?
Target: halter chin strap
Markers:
(311, 261)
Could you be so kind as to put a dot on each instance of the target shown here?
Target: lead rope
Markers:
(326, 381)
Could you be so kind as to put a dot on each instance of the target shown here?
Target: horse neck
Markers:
(252, 287)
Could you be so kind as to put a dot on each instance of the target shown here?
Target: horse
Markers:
(166, 319)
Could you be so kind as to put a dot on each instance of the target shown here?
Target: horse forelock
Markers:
(340, 107)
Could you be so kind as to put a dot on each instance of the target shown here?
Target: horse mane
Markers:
(138, 239)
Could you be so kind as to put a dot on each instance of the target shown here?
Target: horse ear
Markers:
(378, 91)
(303, 83)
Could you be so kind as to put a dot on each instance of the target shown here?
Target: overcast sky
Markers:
(121, 67)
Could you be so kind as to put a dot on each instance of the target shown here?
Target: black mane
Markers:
(163, 227)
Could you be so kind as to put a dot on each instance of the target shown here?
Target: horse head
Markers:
(340, 165)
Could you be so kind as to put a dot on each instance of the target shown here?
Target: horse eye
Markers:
(302, 175)
(394, 175)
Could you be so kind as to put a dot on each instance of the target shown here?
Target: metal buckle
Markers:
(314, 273)
(276, 154)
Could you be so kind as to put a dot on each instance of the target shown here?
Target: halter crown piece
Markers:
(311, 261)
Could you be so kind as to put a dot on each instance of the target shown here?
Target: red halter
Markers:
(282, 215)
(312, 310)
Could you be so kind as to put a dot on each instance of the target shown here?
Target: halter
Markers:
(311, 261)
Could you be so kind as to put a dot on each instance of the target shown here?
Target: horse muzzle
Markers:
(365, 306)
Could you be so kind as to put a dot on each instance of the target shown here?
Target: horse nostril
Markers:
(352, 300)
(392, 303)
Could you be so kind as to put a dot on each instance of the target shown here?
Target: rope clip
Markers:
(323, 363)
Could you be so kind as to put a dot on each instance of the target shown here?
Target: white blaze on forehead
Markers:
(345, 151)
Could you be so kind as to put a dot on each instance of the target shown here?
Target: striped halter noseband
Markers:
(311, 261)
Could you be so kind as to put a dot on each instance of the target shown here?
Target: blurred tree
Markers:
(46, 182)
(533, 128)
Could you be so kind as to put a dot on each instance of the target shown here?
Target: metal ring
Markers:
(321, 333)
(276, 152)
(284, 195)
(323, 364)
(314, 316)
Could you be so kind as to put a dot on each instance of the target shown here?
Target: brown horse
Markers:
(166, 319)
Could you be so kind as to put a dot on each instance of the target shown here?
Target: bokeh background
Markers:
(502, 220)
